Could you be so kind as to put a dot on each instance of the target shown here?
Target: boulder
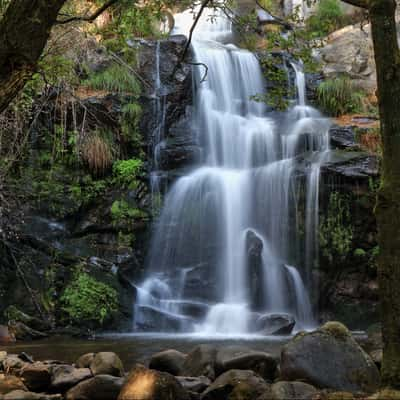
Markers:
(329, 358)
(201, 361)
(275, 324)
(22, 395)
(148, 384)
(235, 385)
(65, 376)
(350, 51)
(13, 363)
(194, 384)
(8, 383)
(100, 387)
(239, 357)
(107, 363)
(290, 391)
(5, 335)
(85, 360)
(343, 137)
(36, 376)
(170, 361)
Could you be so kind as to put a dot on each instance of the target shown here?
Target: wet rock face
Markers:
(254, 247)
(275, 324)
(175, 91)
(329, 358)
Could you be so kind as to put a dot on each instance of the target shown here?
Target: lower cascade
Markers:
(236, 240)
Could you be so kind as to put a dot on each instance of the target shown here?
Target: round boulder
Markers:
(148, 384)
(107, 363)
(239, 357)
(329, 358)
(170, 361)
(291, 391)
(36, 376)
(236, 385)
(85, 360)
(66, 376)
(100, 387)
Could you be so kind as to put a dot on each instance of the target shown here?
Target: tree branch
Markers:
(276, 20)
(189, 41)
(89, 18)
(358, 3)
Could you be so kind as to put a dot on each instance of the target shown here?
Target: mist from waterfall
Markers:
(199, 274)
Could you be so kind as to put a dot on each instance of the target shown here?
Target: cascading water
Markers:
(200, 275)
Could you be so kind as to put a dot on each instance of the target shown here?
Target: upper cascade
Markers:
(225, 251)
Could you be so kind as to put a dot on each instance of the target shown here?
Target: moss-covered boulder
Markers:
(329, 358)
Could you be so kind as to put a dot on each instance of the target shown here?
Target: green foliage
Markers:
(116, 78)
(126, 172)
(87, 300)
(360, 253)
(278, 95)
(335, 230)
(121, 212)
(328, 17)
(339, 96)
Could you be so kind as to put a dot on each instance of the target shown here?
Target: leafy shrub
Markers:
(335, 231)
(121, 211)
(87, 300)
(328, 17)
(126, 172)
(339, 96)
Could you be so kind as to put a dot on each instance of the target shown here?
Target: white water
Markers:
(198, 274)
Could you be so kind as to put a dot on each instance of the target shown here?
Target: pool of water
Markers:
(136, 348)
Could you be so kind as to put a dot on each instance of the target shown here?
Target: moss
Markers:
(336, 329)
(386, 394)
(86, 300)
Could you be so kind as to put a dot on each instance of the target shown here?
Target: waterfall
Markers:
(199, 275)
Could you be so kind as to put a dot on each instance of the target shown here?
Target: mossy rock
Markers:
(329, 358)
(336, 329)
(386, 394)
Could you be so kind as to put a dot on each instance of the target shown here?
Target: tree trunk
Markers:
(387, 59)
(24, 31)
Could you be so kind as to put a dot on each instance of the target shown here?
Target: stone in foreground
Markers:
(148, 384)
(107, 363)
(236, 385)
(101, 387)
(170, 361)
(329, 358)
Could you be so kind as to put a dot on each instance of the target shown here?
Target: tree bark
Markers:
(24, 32)
(387, 59)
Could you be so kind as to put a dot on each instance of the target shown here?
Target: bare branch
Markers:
(89, 18)
(276, 20)
(358, 3)
(204, 77)
(189, 41)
